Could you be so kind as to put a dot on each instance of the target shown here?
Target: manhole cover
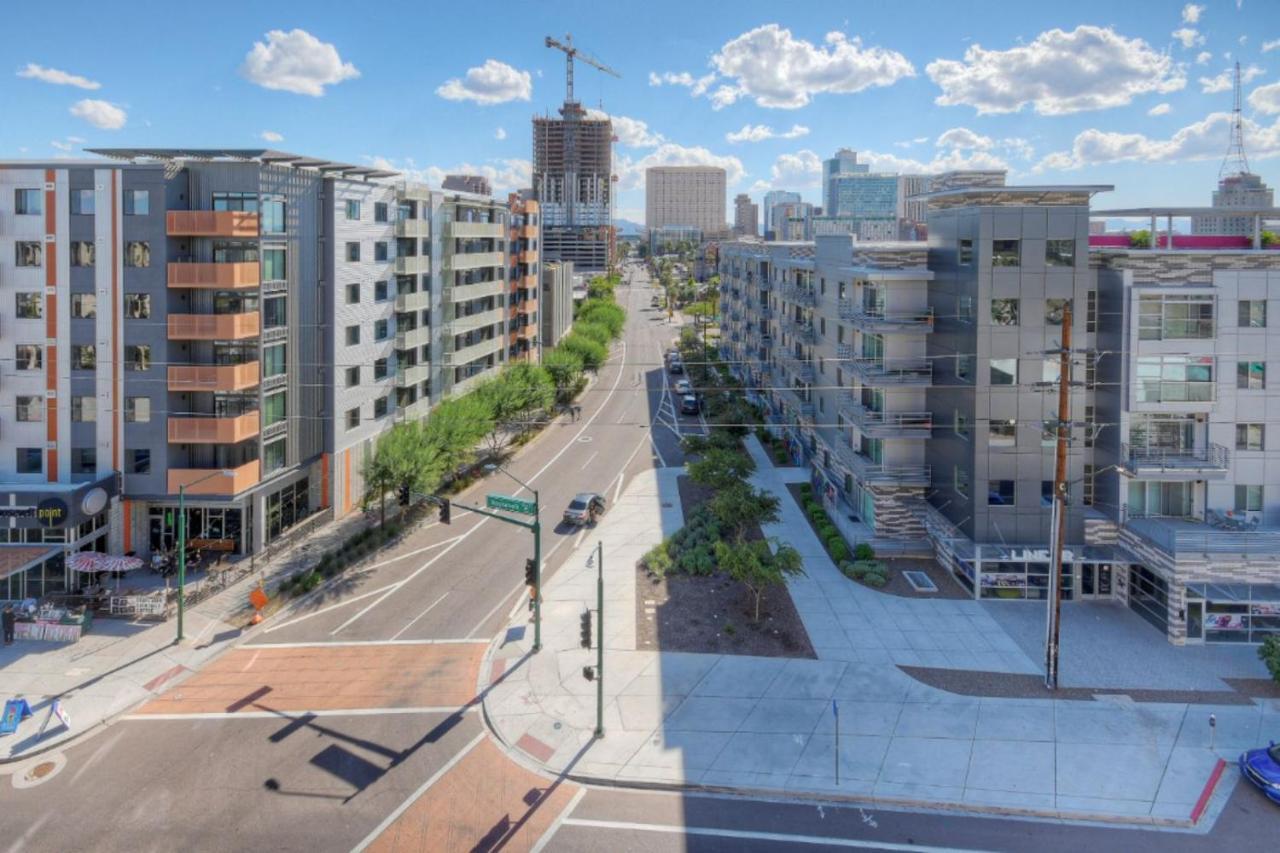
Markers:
(40, 771)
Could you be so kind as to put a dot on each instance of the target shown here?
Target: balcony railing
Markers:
(455, 230)
(413, 338)
(800, 296)
(215, 481)
(463, 292)
(235, 275)
(801, 368)
(413, 228)
(1194, 536)
(214, 327)
(873, 320)
(211, 223)
(1210, 462)
(474, 260)
(211, 429)
(468, 322)
(869, 471)
(804, 332)
(215, 377)
(415, 301)
(888, 424)
(472, 352)
(795, 402)
(413, 264)
(892, 371)
(412, 374)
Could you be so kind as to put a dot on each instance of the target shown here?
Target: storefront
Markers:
(213, 527)
(74, 515)
(1232, 613)
(1013, 573)
(31, 572)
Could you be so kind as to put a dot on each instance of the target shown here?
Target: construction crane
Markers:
(569, 53)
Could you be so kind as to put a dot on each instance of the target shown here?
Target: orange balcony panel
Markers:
(213, 430)
(215, 481)
(215, 377)
(228, 276)
(529, 232)
(214, 327)
(211, 223)
(528, 256)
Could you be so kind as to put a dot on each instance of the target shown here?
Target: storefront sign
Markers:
(52, 512)
(17, 511)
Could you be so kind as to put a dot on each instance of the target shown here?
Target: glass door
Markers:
(1195, 620)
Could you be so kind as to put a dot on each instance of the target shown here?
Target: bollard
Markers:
(1213, 729)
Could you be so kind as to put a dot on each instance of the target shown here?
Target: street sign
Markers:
(510, 504)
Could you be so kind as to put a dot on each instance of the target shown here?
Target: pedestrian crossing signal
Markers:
(586, 629)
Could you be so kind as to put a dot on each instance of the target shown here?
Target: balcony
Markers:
(209, 429)
(215, 481)
(797, 404)
(239, 275)
(471, 353)
(871, 320)
(413, 338)
(418, 228)
(415, 301)
(456, 230)
(1212, 462)
(527, 256)
(878, 372)
(1187, 536)
(463, 292)
(416, 410)
(475, 260)
(413, 264)
(801, 368)
(211, 377)
(413, 374)
(477, 320)
(804, 332)
(876, 473)
(888, 424)
(211, 223)
(214, 327)
(800, 296)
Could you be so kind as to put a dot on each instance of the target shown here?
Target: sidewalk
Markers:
(766, 724)
(121, 663)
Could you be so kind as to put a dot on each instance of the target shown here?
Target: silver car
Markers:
(585, 508)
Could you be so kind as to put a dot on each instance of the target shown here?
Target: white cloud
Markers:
(1224, 81)
(492, 83)
(58, 78)
(959, 139)
(761, 132)
(103, 114)
(794, 171)
(631, 172)
(1188, 36)
(1159, 110)
(670, 78)
(1266, 99)
(1268, 46)
(776, 69)
(62, 146)
(631, 132)
(1191, 13)
(296, 61)
(963, 137)
(1203, 57)
(949, 160)
(1089, 68)
(271, 136)
(1203, 140)
(907, 143)
(500, 133)
(504, 175)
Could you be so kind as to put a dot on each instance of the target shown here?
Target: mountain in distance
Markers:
(626, 226)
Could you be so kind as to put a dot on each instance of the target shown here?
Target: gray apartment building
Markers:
(918, 381)
(556, 301)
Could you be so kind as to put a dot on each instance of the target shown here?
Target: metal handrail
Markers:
(1211, 456)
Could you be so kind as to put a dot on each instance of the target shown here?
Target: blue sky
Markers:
(1124, 93)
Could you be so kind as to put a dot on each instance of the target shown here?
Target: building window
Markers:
(84, 357)
(30, 460)
(353, 377)
(1000, 493)
(84, 409)
(380, 406)
(82, 253)
(1006, 253)
(1055, 311)
(137, 356)
(1088, 486)
(82, 202)
(379, 368)
(353, 335)
(966, 253)
(273, 456)
(28, 357)
(964, 310)
(380, 330)
(1090, 371)
(1089, 415)
(1251, 375)
(30, 409)
(271, 219)
(380, 251)
(1003, 433)
(1004, 371)
(137, 410)
(961, 481)
(1166, 317)
(964, 367)
(353, 294)
(1253, 314)
(1248, 499)
(273, 361)
(247, 202)
(1175, 379)
(353, 209)
(380, 211)
(137, 306)
(1060, 253)
(1004, 312)
(961, 425)
(1091, 311)
(28, 306)
(84, 306)
(274, 315)
(137, 253)
(273, 265)
(1046, 493)
(353, 251)
(353, 418)
(1250, 436)
(84, 460)
(137, 202)
(379, 291)
(138, 460)
(28, 202)
(28, 253)
(273, 409)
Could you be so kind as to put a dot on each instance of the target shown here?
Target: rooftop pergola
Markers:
(1258, 214)
(247, 155)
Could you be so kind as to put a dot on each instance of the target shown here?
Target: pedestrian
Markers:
(8, 619)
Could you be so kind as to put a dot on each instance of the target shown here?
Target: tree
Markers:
(1140, 239)
(593, 354)
(756, 567)
(597, 332)
(400, 462)
(379, 473)
(720, 468)
(608, 314)
(1269, 238)
(740, 507)
(564, 367)
(450, 434)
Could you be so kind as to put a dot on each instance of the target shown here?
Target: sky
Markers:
(1132, 94)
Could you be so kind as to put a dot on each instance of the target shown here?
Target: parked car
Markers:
(585, 508)
(1262, 768)
(683, 386)
(676, 366)
(688, 405)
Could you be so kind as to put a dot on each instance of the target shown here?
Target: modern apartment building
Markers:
(474, 184)
(746, 216)
(573, 184)
(771, 199)
(918, 382)
(685, 196)
(557, 301)
(524, 239)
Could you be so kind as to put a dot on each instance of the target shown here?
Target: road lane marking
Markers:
(325, 712)
(555, 826)
(746, 835)
(412, 553)
(327, 609)
(617, 492)
(397, 634)
(577, 540)
(593, 455)
(413, 798)
(335, 644)
(396, 586)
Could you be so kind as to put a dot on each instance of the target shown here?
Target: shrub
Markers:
(827, 530)
(863, 551)
(806, 489)
(658, 559)
(1269, 652)
(839, 550)
(816, 514)
(875, 580)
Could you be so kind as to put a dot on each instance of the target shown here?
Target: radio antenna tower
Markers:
(1235, 163)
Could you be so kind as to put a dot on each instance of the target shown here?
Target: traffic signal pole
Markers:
(535, 527)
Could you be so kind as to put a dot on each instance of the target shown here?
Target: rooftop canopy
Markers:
(248, 155)
(1049, 194)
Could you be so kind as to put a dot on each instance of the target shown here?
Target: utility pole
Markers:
(182, 558)
(1058, 519)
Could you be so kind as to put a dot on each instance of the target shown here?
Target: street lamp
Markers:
(182, 545)
(536, 527)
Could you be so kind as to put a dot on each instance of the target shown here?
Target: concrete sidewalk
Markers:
(766, 724)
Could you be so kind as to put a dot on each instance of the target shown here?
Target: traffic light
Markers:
(586, 629)
(530, 572)
(444, 510)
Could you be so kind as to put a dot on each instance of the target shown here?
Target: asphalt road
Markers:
(391, 771)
